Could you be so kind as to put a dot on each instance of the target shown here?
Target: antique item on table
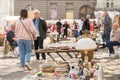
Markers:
(63, 65)
(37, 76)
(86, 57)
(48, 68)
(61, 70)
(61, 62)
(60, 48)
(53, 36)
(86, 44)
(63, 48)
(73, 40)
(29, 77)
(46, 50)
(47, 40)
(74, 68)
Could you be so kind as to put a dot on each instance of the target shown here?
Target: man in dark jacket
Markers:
(59, 26)
(86, 24)
(41, 28)
(107, 27)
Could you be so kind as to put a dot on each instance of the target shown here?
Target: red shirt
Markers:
(91, 27)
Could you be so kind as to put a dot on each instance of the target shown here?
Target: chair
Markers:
(7, 48)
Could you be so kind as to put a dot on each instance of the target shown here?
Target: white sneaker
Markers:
(23, 69)
(117, 55)
(28, 66)
(112, 56)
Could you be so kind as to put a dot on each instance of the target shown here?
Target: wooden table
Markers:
(58, 51)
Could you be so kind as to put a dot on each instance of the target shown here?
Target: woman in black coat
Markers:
(65, 29)
(86, 24)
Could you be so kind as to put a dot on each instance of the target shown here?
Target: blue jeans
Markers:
(25, 50)
(75, 33)
(14, 44)
(107, 36)
(111, 44)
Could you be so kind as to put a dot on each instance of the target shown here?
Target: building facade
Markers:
(54, 9)
(6, 9)
(108, 5)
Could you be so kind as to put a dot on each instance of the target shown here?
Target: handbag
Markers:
(31, 36)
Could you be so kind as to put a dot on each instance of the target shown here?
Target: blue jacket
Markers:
(107, 22)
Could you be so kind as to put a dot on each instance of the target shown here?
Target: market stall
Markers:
(59, 50)
(73, 69)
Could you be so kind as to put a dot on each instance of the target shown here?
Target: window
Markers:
(53, 14)
(69, 14)
(53, 10)
(107, 4)
(112, 4)
(69, 5)
(53, 5)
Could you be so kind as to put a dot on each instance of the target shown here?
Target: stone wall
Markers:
(46, 5)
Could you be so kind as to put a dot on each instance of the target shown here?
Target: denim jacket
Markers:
(107, 23)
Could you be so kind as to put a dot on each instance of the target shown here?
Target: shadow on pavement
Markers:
(18, 75)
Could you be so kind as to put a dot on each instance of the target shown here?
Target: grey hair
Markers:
(36, 11)
(115, 24)
(88, 15)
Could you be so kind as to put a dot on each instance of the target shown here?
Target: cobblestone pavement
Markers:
(10, 70)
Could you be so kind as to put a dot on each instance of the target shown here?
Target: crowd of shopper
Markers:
(26, 31)
(71, 29)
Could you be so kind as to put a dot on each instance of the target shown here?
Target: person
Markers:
(41, 28)
(75, 29)
(7, 26)
(114, 39)
(11, 37)
(49, 28)
(54, 27)
(65, 29)
(80, 25)
(94, 24)
(107, 26)
(24, 28)
(86, 24)
(91, 26)
(59, 26)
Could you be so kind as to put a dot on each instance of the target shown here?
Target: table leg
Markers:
(76, 55)
(61, 57)
(51, 56)
(69, 55)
